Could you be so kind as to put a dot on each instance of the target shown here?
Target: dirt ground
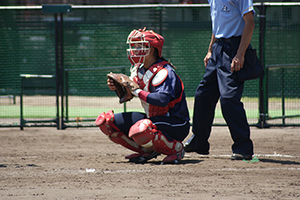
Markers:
(46, 163)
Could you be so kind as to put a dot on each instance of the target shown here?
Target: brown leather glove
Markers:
(124, 86)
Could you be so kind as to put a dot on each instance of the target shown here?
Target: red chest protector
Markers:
(144, 81)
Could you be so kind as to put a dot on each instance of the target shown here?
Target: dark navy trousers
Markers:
(220, 83)
(171, 127)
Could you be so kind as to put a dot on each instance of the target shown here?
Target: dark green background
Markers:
(96, 38)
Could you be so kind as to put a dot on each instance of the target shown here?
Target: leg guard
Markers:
(173, 149)
(145, 133)
(164, 146)
(105, 121)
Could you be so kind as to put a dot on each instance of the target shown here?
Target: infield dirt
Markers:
(46, 163)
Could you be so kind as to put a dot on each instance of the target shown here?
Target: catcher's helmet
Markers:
(140, 41)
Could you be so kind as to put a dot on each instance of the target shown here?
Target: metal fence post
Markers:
(160, 20)
(59, 54)
(262, 89)
(21, 105)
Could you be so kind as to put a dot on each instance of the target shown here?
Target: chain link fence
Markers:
(78, 45)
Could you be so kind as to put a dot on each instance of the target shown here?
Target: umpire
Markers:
(232, 28)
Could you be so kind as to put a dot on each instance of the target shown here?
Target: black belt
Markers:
(230, 40)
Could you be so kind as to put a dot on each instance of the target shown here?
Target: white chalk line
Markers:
(257, 169)
(124, 171)
(257, 155)
(187, 170)
(276, 155)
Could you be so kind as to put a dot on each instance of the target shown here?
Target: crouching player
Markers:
(165, 123)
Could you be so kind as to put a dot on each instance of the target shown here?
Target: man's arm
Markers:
(208, 55)
(238, 60)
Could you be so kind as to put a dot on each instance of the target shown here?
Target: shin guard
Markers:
(105, 121)
(145, 133)
(165, 146)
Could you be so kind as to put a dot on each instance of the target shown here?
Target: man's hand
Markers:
(237, 63)
(206, 58)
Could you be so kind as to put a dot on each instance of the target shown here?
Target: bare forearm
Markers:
(246, 35)
(238, 60)
(212, 41)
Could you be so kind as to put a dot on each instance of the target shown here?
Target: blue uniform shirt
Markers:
(227, 16)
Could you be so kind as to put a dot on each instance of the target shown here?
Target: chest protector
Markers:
(152, 77)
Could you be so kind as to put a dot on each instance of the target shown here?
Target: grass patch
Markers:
(13, 111)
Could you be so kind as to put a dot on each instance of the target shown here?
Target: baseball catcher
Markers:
(165, 123)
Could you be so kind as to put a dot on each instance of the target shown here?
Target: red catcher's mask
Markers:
(140, 41)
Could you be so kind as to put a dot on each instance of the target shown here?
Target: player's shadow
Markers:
(154, 162)
(191, 161)
(283, 162)
(182, 162)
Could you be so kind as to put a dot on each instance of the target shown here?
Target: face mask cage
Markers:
(138, 47)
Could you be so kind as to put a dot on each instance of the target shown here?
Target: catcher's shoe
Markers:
(142, 158)
(174, 158)
(134, 155)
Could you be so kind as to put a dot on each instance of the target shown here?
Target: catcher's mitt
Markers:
(124, 85)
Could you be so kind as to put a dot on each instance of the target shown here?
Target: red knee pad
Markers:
(143, 132)
(105, 121)
(100, 119)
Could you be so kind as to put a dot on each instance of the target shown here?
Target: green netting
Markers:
(95, 44)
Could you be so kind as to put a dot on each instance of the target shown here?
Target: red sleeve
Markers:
(143, 95)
